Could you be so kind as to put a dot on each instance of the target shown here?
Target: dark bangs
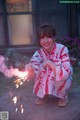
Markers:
(47, 30)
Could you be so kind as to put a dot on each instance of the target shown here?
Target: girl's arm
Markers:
(33, 67)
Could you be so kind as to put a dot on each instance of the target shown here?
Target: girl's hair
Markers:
(47, 30)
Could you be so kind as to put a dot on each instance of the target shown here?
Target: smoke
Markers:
(10, 72)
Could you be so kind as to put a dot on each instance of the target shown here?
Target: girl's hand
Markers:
(49, 63)
(46, 63)
(29, 67)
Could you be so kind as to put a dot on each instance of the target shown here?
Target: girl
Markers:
(50, 65)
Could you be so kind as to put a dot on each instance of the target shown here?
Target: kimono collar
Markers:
(52, 51)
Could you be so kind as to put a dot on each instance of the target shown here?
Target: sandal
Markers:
(39, 100)
(63, 102)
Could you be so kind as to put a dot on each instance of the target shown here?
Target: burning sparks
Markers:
(19, 82)
(21, 78)
(15, 99)
(22, 109)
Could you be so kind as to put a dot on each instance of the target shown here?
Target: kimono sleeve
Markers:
(36, 61)
(64, 69)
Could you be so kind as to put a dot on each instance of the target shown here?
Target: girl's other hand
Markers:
(29, 67)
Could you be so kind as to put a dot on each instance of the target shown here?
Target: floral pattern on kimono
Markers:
(48, 82)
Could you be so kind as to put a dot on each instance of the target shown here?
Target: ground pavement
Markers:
(46, 111)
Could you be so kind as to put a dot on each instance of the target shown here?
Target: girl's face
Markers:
(47, 43)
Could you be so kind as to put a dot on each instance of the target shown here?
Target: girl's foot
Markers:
(39, 100)
(63, 102)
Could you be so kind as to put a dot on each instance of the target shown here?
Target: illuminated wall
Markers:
(20, 26)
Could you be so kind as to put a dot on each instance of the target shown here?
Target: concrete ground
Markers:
(46, 111)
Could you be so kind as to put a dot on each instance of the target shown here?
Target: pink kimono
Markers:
(48, 82)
